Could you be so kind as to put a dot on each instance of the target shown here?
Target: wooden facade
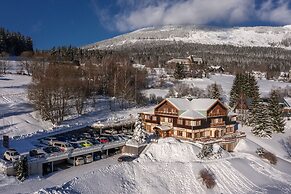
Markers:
(166, 121)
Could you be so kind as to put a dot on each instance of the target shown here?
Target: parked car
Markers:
(64, 146)
(87, 135)
(11, 155)
(124, 137)
(126, 158)
(51, 149)
(37, 153)
(88, 159)
(78, 161)
(75, 145)
(85, 143)
(103, 140)
(94, 141)
(48, 140)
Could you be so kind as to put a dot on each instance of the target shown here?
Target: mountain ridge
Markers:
(258, 36)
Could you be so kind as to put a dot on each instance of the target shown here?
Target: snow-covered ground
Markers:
(238, 36)
(224, 80)
(168, 166)
(16, 113)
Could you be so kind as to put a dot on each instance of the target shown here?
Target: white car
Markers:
(88, 159)
(78, 161)
(48, 140)
(11, 155)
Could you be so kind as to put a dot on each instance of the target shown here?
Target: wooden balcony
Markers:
(220, 124)
(166, 113)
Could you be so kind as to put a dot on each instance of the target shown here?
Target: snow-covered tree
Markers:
(276, 113)
(21, 168)
(139, 134)
(260, 120)
(245, 84)
(214, 91)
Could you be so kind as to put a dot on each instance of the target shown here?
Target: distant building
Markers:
(286, 104)
(190, 65)
(204, 120)
(259, 74)
(216, 69)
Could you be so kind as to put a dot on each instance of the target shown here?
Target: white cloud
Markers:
(280, 14)
(134, 14)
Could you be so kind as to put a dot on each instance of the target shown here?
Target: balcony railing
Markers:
(165, 113)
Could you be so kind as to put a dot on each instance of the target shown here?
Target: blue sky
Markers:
(79, 22)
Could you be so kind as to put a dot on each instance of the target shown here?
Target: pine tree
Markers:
(243, 84)
(276, 116)
(21, 168)
(235, 90)
(252, 87)
(179, 71)
(214, 91)
(139, 134)
(260, 119)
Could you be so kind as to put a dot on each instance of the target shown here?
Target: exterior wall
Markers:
(35, 168)
(217, 110)
(166, 108)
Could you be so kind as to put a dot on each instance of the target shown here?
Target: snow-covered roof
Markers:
(183, 61)
(230, 114)
(163, 127)
(149, 112)
(288, 101)
(192, 114)
(201, 104)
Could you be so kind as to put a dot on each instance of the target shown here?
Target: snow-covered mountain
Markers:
(239, 36)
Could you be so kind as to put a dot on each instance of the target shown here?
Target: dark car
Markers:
(94, 141)
(51, 149)
(75, 145)
(126, 158)
(36, 153)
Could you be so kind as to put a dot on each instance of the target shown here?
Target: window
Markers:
(180, 122)
(162, 119)
(170, 120)
(217, 120)
(187, 122)
(198, 123)
(201, 134)
(196, 135)
(166, 110)
(179, 133)
(154, 118)
(147, 117)
(189, 135)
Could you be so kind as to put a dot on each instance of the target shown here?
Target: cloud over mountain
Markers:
(137, 14)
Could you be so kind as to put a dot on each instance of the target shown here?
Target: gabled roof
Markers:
(201, 104)
(192, 114)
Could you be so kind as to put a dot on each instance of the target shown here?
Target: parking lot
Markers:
(74, 148)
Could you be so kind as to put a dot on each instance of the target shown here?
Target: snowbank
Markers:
(170, 150)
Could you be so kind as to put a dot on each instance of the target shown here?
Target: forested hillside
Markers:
(14, 43)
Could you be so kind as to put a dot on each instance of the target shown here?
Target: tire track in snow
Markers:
(269, 171)
(226, 174)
